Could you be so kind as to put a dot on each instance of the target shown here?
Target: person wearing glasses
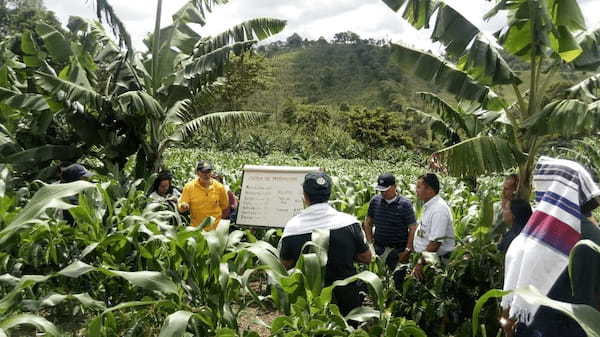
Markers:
(204, 197)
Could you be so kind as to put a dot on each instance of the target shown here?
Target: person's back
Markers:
(344, 244)
(346, 239)
(541, 255)
(584, 288)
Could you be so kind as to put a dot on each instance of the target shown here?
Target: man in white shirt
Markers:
(434, 232)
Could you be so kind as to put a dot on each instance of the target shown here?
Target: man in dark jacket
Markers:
(346, 240)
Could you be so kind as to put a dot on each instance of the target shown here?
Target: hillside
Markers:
(335, 74)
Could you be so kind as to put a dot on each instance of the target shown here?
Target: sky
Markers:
(309, 18)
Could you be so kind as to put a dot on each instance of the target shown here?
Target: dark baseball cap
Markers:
(204, 166)
(317, 183)
(385, 181)
(74, 172)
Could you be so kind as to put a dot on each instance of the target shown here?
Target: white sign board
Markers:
(271, 195)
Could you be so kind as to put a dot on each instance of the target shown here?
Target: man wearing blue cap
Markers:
(346, 240)
(69, 174)
(73, 173)
(393, 217)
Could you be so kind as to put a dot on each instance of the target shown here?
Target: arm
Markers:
(364, 253)
(433, 246)
(403, 257)
(364, 257)
(368, 228)
(412, 229)
(223, 199)
(506, 323)
(411, 220)
(290, 249)
(233, 202)
(288, 264)
(438, 231)
(183, 205)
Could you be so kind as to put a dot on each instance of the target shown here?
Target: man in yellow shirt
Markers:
(204, 197)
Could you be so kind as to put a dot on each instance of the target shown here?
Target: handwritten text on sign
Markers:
(271, 195)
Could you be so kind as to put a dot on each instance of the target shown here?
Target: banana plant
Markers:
(549, 35)
(119, 103)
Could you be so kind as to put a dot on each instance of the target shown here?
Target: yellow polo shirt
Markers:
(204, 202)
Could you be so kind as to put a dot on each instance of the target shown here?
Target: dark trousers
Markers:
(348, 297)
(391, 262)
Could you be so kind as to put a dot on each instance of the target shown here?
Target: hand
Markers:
(508, 326)
(403, 257)
(418, 271)
(184, 207)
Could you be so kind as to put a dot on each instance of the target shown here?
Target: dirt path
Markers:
(250, 320)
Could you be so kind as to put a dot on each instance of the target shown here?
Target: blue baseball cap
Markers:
(74, 172)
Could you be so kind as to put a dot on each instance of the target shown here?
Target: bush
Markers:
(377, 128)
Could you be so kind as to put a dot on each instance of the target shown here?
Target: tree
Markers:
(321, 42)
(147, 102)
(20, 15)
(346, 37)
(294, 41)
(546, 34)
(377, 128)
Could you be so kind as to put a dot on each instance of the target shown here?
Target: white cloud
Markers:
(309, 18)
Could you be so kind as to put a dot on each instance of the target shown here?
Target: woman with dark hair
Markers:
(162, 189)
(515, 213)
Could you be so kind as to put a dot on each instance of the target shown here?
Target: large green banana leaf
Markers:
(481, 155)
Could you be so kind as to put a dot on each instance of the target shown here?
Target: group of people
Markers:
(537, 242)
(541, 250)
(397, 231)
(203, 198)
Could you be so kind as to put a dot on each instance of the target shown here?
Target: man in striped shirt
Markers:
(393, 216)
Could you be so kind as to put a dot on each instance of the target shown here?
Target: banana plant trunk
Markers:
(525, 179)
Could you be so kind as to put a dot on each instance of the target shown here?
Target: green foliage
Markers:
(550, 36)
(130, 271)
(379, 128)
(358, 72)
(22, 15)
(153, 94)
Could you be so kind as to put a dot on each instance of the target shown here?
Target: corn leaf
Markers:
(175, 324)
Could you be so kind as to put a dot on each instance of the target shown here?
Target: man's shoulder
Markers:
(376, 200)
(404, 201)
(217, 185)
(189, 185)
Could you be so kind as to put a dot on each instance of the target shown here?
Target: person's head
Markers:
(428, 186)
(163, 184)
(316, 187)
(509, 186)
(73, 173)
(589, 206)
(204, 170)
(516, 211)
(386, 184)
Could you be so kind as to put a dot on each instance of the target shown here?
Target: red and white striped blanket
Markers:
(539, 255)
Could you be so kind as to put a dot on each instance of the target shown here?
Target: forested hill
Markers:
(349, 70)
(359, 72)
